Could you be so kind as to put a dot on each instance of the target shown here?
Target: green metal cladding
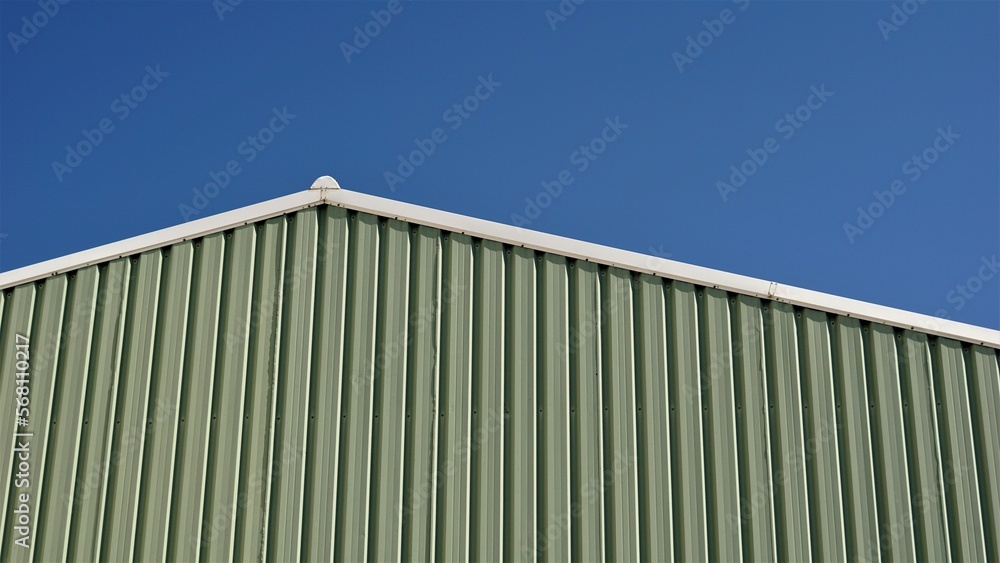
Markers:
(333, 385)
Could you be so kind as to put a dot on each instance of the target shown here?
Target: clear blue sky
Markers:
(196, 86)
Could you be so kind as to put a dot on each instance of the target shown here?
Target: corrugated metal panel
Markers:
(335, 385)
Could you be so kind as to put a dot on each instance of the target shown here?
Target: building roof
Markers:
(326, 191)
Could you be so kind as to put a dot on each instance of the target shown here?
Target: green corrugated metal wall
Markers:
(334, 385)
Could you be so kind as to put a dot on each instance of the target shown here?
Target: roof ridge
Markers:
(326, 190)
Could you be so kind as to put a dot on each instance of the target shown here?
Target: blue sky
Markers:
(742, 136)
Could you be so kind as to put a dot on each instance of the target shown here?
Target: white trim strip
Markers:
(161, 238)
(511, 235)
(662, 267)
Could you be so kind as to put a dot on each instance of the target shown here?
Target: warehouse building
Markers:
(336, 376)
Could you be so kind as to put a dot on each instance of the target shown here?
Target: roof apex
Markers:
(326, 190)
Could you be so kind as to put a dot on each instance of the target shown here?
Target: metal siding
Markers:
(854, 435)
(653, 421)
(756, 513)
(330, 384)
(686, 411)
(454, 456)
(586, 413)
(489, 414)
(788, 455)
(554, 506)
(921, 412)
(719, 408)
(422, 397)
(323, 445)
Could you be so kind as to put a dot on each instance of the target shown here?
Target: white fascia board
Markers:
(662, 267)
(511, 235)
(163, 237)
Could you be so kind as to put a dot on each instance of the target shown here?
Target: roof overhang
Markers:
(325, 192)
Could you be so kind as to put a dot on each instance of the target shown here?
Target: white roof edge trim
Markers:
(511, 235)
(164, 237)
(662, 267)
